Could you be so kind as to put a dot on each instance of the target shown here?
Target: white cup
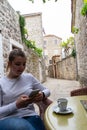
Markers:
(62, 104)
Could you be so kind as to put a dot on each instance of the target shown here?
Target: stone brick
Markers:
(10, 29)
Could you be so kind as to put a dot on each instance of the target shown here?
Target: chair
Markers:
(43, 106)
(77, 92)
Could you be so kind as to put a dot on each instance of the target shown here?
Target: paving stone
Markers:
(60, 87)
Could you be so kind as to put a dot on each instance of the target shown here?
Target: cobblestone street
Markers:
(60, 88)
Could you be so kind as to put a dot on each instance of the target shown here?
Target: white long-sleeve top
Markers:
(11, 89)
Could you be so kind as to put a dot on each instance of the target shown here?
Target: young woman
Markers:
(17, 111)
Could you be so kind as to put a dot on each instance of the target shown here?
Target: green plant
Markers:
(84, 9)
(75, 30)
(73, 53)
(69, 44)
(69, 41)
(29, 43)
(22, 27)
(85, 1)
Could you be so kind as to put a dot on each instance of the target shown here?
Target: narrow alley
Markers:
(60, 87)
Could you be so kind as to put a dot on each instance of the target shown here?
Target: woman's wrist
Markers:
(44, 98)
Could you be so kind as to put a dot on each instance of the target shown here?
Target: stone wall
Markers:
(81, 42)
(32, 62)
(66, 69)
(35, 33)
(11, 36)
(9, 26)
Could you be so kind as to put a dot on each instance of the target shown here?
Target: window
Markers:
(44, 44)
(46, 57)
(50, 61)
(63, 53)
(45, 52)
(55, 41)
(15, 44)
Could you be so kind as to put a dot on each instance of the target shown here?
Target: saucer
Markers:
(67, 111)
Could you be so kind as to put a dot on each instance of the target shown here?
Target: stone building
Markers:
(9, 33)
(10, 37)
(80, 22)
(34, 28)
(35, 33)
(51, 47)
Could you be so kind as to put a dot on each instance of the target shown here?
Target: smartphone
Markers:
(34, 93)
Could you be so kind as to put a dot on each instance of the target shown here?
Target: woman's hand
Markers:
(23, 101)
(38, 97)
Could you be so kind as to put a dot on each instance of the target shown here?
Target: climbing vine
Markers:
(84, 8)
(24, 34)
(75, 30)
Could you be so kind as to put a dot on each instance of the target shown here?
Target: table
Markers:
(74, 121)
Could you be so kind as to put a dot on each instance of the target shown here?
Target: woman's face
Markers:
(17, 66)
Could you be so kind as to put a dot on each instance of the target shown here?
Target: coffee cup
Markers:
(62, 104)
